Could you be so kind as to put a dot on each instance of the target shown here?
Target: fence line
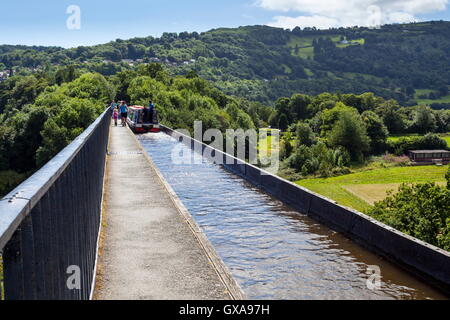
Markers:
(49, 224)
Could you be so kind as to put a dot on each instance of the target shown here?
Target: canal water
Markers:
(272, 250)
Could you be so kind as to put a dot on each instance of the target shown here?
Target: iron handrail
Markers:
(16, 205)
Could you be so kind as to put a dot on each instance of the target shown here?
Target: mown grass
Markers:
(372, 193)
(447, 138)
(335, 188)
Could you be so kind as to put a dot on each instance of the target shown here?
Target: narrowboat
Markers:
(139, 120)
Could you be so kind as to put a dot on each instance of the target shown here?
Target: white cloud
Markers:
(336, 13)
(320, 22)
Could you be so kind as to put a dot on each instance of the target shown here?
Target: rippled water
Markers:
(273, 251)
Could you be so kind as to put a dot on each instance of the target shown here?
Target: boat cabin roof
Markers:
(136, 107)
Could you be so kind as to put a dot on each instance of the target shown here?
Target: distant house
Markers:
(429, 156)
(4, 75)
(128, 61)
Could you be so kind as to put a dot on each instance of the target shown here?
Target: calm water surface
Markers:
(272, 250)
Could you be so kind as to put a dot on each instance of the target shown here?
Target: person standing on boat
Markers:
(151, 110)
(145, 115)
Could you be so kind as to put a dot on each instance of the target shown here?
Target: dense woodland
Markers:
(262, 63)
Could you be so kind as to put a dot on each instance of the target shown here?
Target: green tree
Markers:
(283, 107)
(389, 112)
(66, 74)
(298, 106)
(350, 133)
(424, 120)
(91, 86)
(286, 148)
(421, 211)
(23, 138)
(283, 122)
(447, 177)
(305, 135)
(329, 117)
(143, 89)
(69, 121)
(376, 130)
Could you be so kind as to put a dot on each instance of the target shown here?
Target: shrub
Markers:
(305, 135)
(427, 142)
(400, 160)
(422, 211)
(318, 159)
(350, 132)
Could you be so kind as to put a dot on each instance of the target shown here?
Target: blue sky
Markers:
(44, 22)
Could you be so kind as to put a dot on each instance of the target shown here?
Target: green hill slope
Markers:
(263, 63)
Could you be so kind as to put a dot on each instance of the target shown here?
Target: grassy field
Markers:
(360, 190)
(372, 193)
(420, 92)
(446, 137)
(398, 137)
(445, 99)
(306, 50)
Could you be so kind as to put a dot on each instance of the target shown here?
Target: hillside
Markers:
(263, 63)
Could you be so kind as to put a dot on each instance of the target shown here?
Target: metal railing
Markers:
(49, 225)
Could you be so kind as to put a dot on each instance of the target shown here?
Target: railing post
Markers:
(40, 253)
(28, 260)
(13, 268)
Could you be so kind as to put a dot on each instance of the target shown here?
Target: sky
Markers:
(89, 22)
